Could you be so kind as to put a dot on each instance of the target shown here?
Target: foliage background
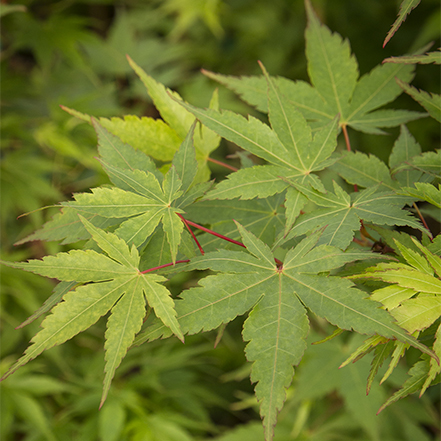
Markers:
(73, 53)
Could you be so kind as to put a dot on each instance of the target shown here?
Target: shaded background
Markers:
(72, 53)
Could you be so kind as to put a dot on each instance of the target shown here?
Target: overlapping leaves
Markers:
(110, 283)
(335, 89)
(413, 297)
(277, 295)
(141, 198)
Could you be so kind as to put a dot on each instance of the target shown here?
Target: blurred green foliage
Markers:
(72, 53)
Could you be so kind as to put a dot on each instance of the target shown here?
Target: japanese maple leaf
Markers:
(341, 213)
(111, 283)
(277, 296)
(141, 198)
(335, 87)
(288, 146)
(412, 297)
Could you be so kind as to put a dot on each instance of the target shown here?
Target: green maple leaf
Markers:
(141, 199)
(413, 299)
(263, 217)
(289, 147)
(336, 88)
(427, 58)
(276, 295)
(431, 102)
(405, 9)
(341, 213)
(367, 171)
(112, 283)
(158, 138)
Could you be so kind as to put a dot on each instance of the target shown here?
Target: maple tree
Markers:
(304, 240)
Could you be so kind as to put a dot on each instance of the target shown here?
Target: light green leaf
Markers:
(366, 171)
(427, 58)
(151, 136)
(173, 227)
(404, 149)
(250, 134)
(115, 247)
(414, 259)
(419, 313)
(276, 328)
(343, 213)
(333, 71)
(113, 202)
(418, 373)
(123, 156)
(377, 88)
(258, 181)
(391, 296)
(432, 258)
(428, 162)
(405, 9)
(407, 278)
(430, 101)
(120, 283)
(331, 67)
(288, 123)
(184, 160)
(435, 368)
(179, 119)
(424, 192)
(124, 323)
(371, 122)
(76, 265)
(79, 310)
(277, 325)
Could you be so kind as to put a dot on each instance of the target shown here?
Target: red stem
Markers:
(164, 266)
(223, 164)
(192, 234)
(221, 236)
(200, 227)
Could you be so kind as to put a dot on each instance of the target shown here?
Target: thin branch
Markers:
(423, 220)
(348, 146)
(164, 266)
(223, 164)
(192, 234)
(221, 236)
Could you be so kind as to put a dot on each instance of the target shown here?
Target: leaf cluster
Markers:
(303, 237)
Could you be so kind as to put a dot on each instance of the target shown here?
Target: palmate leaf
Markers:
(158, 138)
(366, 171)
(414, 300)
(263, 217)
(112, 283)
(141, 199)
(341, 213)
(336, 88)
(289, 147)
(277, 296)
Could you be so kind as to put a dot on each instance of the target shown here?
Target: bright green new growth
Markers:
(302, 234)
(118, 287)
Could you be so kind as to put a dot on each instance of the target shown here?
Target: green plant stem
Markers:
(223, 164)
(348, 146)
